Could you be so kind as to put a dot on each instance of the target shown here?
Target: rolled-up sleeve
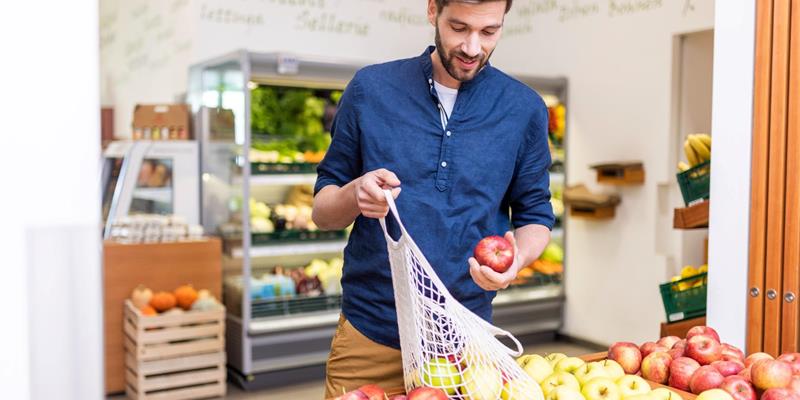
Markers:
(529, 195)
(342, 162)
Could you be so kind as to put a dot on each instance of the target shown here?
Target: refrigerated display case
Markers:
(263, 121)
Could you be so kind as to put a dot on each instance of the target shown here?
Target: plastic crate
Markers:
(685, 298)
(695, 183)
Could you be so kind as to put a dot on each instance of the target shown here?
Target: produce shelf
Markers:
(692, 217)
(295, 236)
(280, 250)
(259, 168)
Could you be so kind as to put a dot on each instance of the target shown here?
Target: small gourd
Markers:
(203, 294)
(141, 296)
(163, 301)
(147, 310)
(206, 304)
(185, 295)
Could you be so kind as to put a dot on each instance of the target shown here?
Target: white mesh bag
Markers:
(445, 345)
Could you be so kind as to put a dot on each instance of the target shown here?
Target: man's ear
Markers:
(432, 12)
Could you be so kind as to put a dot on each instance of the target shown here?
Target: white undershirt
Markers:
(447, 96)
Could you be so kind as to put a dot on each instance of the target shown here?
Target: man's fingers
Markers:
(387, 177)
(492, 276)
(374, 191)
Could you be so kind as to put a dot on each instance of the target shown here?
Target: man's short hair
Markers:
(441, 3)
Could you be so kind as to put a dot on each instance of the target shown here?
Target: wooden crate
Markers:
(692, 217)
(172, 357)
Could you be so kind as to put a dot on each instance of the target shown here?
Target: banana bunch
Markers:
(698, 150)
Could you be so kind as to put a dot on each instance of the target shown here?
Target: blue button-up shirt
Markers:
(458, 182)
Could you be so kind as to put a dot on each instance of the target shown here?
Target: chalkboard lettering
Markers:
(535, 7)
(577, 10)
(222, 15)
(517, 29)
(331, 23)
(627, 7)
(404, 17)
(301, 3)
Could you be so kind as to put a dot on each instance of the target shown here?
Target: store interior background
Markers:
(639, 80)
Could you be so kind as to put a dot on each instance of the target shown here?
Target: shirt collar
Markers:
(427, 68)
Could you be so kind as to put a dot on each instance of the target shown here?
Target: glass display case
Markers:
(264, 123)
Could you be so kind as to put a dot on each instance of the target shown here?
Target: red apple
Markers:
(680, 372)
(627, 355)
(705, 378)
(678, 349)
(495, 252)
(651, 347)
(427, 393)
(739, 388)
(780, 394)
(668, 341)
(655, 367)
(703, 330)
(794, 385)
(771, 374)
(728, 368)
(752, 358)
(745, 373)
(732, 353)
(353, 395)
(704, 349)
(373, 392)
(794, 361)
(399, 397)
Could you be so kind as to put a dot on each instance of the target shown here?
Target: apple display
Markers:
(739, 388)
(794, 384)
(702, 330)
(728, 368)
(771, 374)
(554, 358)
(613, 369)
(537, 368)
(663, 393)
(780, 394)
(601, 389)
(752, 358)
(651, 347)
(631, 385)
(590, 371)
(705, 378)
(655, 367)
(559, 378)
(678, 349)
(627, 355)
(793, 359)
(703, 349)
(513, 390)
(564, 393)
(668, 341)
(714, 394)
(495, 252)
(732, 353)
(681, 371)
(569, 364)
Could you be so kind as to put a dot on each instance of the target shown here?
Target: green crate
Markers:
(258, 168)
(695, 183)
(291, 236)
(687, 303)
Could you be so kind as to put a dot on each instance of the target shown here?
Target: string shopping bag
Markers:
(445, 345)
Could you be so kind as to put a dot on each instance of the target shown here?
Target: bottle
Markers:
(156, 133)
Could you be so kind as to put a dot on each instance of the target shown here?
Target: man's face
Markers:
(466, 35)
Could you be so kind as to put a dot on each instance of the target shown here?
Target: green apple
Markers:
(564, 393)
(482, 383)
(645, 396)
(664, 394)
(518, 390)
(590, 371)
(537, 368)
(559, 378)
(523, 359)
(601, 389)
(613, 369)
(714, 394)
(441, 374)
(569, 364)
(554, 358)
(631, 385)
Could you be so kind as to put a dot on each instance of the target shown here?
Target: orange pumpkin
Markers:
(147, 310)
(185, 295)
(163, 301)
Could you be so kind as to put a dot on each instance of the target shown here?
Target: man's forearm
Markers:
(531, 241)
(335, 207)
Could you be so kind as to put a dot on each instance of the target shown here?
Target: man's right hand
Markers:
(369, 192)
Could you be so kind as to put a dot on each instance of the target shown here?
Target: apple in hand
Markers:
(703, 330)
(681, 371)
(752, 358)
(668, 341)
(732, 353)
(631, 385)
(651, 347)
(655, 367)
(495, 252)
(482, 383)
(569, 364)
(780, 394)
(714, 394)
(627, 355)
(739, 388)
(678, 349)
(601, 389)
(426, 393)
(703, 349)
(663, 393)
(559, 378)
(440, 373)
(793, 359)
(728, 368)
(537, 368)
(705, 378)
(564, 393)
(771, 374)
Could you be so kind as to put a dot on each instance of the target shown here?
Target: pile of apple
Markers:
(700, 363)
(570, 378)
(375, 392)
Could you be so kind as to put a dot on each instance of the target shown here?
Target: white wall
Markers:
(50, 208)
(619, 68)
(730, 173)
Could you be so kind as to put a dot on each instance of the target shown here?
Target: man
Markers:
(464, 142)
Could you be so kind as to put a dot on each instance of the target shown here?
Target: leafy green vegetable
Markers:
(293, 119)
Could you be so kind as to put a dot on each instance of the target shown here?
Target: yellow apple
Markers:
(601, 389)
(564, 393)
(554, 358)
(537, 368)
(518, 390)
(441, 374)
(569, 364)
(664, 394)
(631, 385)
(559, 378)
(523, 359)
(613, 369)
(590, 371)
(482, 383)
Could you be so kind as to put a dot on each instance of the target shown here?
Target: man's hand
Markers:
(489, 279)
(369, 192)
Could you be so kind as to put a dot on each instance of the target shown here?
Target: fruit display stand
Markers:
(600, 356)
(620, 173)
(694, 216)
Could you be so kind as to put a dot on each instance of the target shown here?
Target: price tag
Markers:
(288, 65)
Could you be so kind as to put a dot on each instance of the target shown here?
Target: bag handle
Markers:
(501, 332)
(393, 209)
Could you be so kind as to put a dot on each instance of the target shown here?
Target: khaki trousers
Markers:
(356, 360)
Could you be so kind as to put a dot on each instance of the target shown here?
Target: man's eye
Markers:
(458, 29)
(489, 33)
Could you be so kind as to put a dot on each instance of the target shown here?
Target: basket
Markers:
(695, 183)
(685, 298)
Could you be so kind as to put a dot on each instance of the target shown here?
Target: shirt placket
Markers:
(444, 163)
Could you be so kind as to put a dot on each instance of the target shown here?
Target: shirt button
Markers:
(448, 133)
(430, 81)
(444, 164)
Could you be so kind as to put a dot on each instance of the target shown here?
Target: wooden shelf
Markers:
(591, 212)
(680, 328)
(623, 173)
(692, 217)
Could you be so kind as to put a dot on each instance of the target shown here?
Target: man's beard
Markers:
(448, 61)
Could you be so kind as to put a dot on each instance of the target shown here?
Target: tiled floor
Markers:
(315, 390)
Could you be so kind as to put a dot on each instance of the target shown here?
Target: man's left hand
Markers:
(489, 279)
